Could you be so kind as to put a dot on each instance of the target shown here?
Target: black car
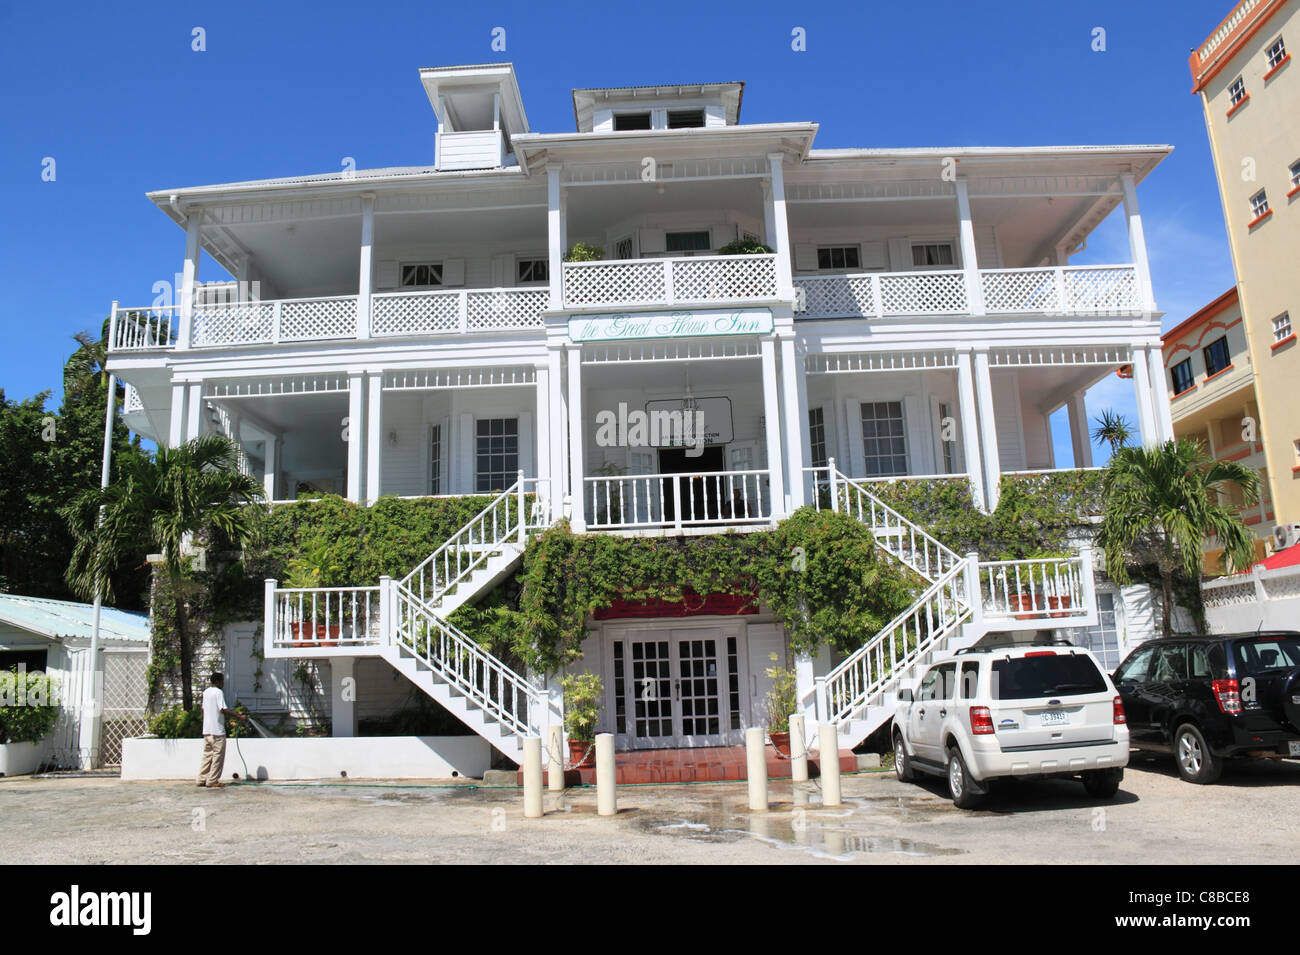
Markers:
(1207, 699)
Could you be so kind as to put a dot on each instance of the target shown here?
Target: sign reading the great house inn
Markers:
(624, 326)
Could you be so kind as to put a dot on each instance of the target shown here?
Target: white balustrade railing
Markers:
(1061, 290)
(670, 281)
(140, 329)
(629, 502)
(448, 311)
(1033, 589)
(322, 617)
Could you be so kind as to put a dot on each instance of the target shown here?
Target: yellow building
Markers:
(1250, 91)
(1212, 395)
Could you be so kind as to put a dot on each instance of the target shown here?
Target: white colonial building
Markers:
(418, 331)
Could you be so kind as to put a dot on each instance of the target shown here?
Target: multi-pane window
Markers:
(685, 118)
(1182, 376)
(929, 254)
(1282, 327)
(1102, 639)
(1216, 356)
(838, 257)
(947, 441)
(1276, 53)
(496, 454)
(435, 459)
(532, 270)
(1295, 174)
(624, 121)
(1237, 91)
(421, 274)
(884, 445)
(623, 248)
(817, 437)
(1258, 204)
(688, 241)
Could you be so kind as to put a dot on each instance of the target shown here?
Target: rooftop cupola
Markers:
(626, 108)
(479, 109)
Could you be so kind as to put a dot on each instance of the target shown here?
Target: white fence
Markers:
(1261, 599)
(644, 501)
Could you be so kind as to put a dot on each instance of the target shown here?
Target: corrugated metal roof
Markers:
(58, 619)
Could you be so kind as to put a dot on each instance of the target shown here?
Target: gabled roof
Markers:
(63, 619)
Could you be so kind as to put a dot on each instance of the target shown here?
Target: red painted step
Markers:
(711, 764)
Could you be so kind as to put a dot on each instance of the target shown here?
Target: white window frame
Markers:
(707, 250)
(1236, 91)
(537, 259)
(902, 418)
(631, 245)
(431, 264)
(1275, 53)
(508, 475)
(1295, 175)
(437, 453)
(1282, 327)
(1259, 204)
(914, 243)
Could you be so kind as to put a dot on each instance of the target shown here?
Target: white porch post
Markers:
(271, 460)
(988, 429)
(1080, 439)
(1146, 405)
(970, 430)
(969, 260)
(375, 435)
(365, 278)
(784, 275)
(1137, 243)
(1159, 394)
(189, 275)
(542, 403)
(556, 427)
(176, 434)
(772, 422)
(194, 408)
(796, 426)
(555, 234)
(343, 697)
(577, 519)
(356, 435)
(769, 215)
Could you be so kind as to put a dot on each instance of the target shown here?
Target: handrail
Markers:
(888, 525)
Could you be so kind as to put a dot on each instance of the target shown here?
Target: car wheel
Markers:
(1196, 763)
(1102, 783)
(960, 783)
(902, 767)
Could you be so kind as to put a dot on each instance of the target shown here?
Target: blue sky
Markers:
(115, 95)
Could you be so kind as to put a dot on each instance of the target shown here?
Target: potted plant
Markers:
(582, 252)
(29, 708)
(583, 693)
(317, 566)
(743, 282)
(781, 701)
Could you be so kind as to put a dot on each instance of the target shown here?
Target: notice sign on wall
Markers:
(717, 421)
(628, 326)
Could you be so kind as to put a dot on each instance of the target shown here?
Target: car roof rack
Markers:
(990, 647)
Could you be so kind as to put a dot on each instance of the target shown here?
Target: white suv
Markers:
(1022, 710)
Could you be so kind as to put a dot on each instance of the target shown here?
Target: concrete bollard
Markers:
(606, 784)
(533, 777)
(829, 746)
(798, 754)
(756, 768)
(555, 760)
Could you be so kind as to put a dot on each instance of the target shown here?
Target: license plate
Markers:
(1053, 718)
(1294, 746)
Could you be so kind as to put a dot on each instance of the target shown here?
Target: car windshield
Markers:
(1053, 674)
(1259, 654)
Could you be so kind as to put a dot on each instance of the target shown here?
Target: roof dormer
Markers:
(479, 109)
(619, 109)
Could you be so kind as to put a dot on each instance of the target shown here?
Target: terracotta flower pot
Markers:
(1022, 605)
(318, 635)
(1059, 605)
(782, 742)
(582, 754)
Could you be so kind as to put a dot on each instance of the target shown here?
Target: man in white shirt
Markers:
(215, 712)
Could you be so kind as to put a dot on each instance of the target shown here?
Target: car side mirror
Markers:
(905, 696)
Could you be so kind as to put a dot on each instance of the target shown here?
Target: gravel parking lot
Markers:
(1155, 818)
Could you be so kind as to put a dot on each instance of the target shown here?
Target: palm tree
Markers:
(1113, 429)
(161, 502)
(1160, 505)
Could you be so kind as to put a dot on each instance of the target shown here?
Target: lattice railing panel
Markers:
(422, 313)
(494, 309)
(924, 293)
(234, 323)
(126, 702)
(1106, 289)
(728, 278)
(608, 283)
(834, 296)
(311, 319)
(1020, 290)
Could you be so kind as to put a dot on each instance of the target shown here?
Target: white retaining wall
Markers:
(1260, 600)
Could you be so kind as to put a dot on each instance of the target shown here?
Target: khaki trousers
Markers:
(214, 758)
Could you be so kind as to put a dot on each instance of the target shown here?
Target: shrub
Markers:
(177, 723)
(582, 252)
(744, 247)
(29, 706)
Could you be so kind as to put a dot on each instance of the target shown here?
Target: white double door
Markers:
(673, 687)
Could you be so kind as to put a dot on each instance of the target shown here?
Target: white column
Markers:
(772, 421)
(1080, 438)
(784, 279)
(195, 408)
(1146, 405)
(356, 435)
(542, 405)
(465, 438)
(556, 426)
(555, 234)
(343, 697)
(189, 275)
(988, 429)
(375, 435)
(365, 277)
(176, 435)
(970, 431)
(769, 217)
(271, 460)
(969, 260)
(1137, 242)
(1160, 394)
(578, 519)
(795, 427)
